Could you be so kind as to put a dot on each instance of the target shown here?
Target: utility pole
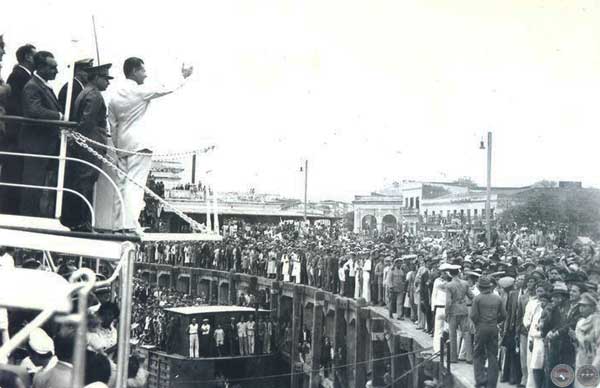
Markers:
(305, 187)
(488, 229)
(194, 168)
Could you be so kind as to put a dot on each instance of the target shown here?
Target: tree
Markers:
(545, 183)
(578, 210)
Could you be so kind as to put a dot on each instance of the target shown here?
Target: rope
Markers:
(319, 370)
(412, 369)
(174, 155)
(80, 140)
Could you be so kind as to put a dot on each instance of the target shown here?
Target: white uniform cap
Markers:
(40, 342)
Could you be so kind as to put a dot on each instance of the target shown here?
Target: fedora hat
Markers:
(484, 282)
(560, 288)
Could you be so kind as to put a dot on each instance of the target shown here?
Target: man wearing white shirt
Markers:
(194, 343)
(126, 112)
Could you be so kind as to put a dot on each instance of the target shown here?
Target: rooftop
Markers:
(196, 310)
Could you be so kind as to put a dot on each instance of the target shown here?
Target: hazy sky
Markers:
(369, 91)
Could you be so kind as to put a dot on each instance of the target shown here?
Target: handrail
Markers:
(42, 317)
(89, 205)
(81, 337)
(27, 120)
(101, 171)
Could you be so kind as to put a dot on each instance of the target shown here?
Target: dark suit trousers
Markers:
(12, 172)
(486, 348)
(80, 178)
(39, 172)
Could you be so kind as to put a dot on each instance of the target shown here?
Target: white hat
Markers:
(448, 266)
(40, 342)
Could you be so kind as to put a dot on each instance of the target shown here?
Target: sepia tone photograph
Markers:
(300, 194)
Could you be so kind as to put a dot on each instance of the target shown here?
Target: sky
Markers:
(369, 92)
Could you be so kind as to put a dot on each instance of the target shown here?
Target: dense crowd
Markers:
(545, 288)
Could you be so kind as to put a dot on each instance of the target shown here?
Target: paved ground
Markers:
(462, 372)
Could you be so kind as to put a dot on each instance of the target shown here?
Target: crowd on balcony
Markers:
(541, 289)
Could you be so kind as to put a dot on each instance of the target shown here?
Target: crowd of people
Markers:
(523, 306)
(240, 335)
(46, 359)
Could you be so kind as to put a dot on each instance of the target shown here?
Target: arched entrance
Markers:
(204, 289)
(369, 224)
(224, 293)
(183, 284)
(164, 280)
(389, 222)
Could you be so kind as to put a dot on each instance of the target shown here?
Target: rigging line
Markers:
(315, 370)
(154, 155)
(412, 369)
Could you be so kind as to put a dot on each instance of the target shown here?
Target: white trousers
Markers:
(438, 327)
(194, 350)
(366, 293)
(137, 167)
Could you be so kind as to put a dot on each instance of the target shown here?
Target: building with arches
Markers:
(377, 212)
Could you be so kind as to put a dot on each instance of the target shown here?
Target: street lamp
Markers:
(488, 226)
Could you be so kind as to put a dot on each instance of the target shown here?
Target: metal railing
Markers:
(62, 159)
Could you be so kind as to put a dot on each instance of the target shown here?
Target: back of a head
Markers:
(40, 59)
(64, 342)
(10, 379)
(97, 368)
(132, 64)
(23, 51)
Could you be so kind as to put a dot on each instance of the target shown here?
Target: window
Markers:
(417, 205)
(491, 213)
(412, 202)
(475, 213)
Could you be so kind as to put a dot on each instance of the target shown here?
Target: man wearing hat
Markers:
(457, 292)
(40, 352)
(556, 328)
(511, 368)
(487, 312)
(395, 283)
(90, 112)
(587, 332)
(79, 82)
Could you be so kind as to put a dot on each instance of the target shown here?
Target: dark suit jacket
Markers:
(62, 96)
(39, 102)
(17, 80)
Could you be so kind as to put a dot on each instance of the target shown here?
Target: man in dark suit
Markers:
(12, 166)
(90, 112)
(79, 82)
(39, 102)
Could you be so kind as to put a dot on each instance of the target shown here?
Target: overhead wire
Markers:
(393, 356)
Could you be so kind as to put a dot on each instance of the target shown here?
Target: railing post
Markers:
(60, 181)
(124, 330)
